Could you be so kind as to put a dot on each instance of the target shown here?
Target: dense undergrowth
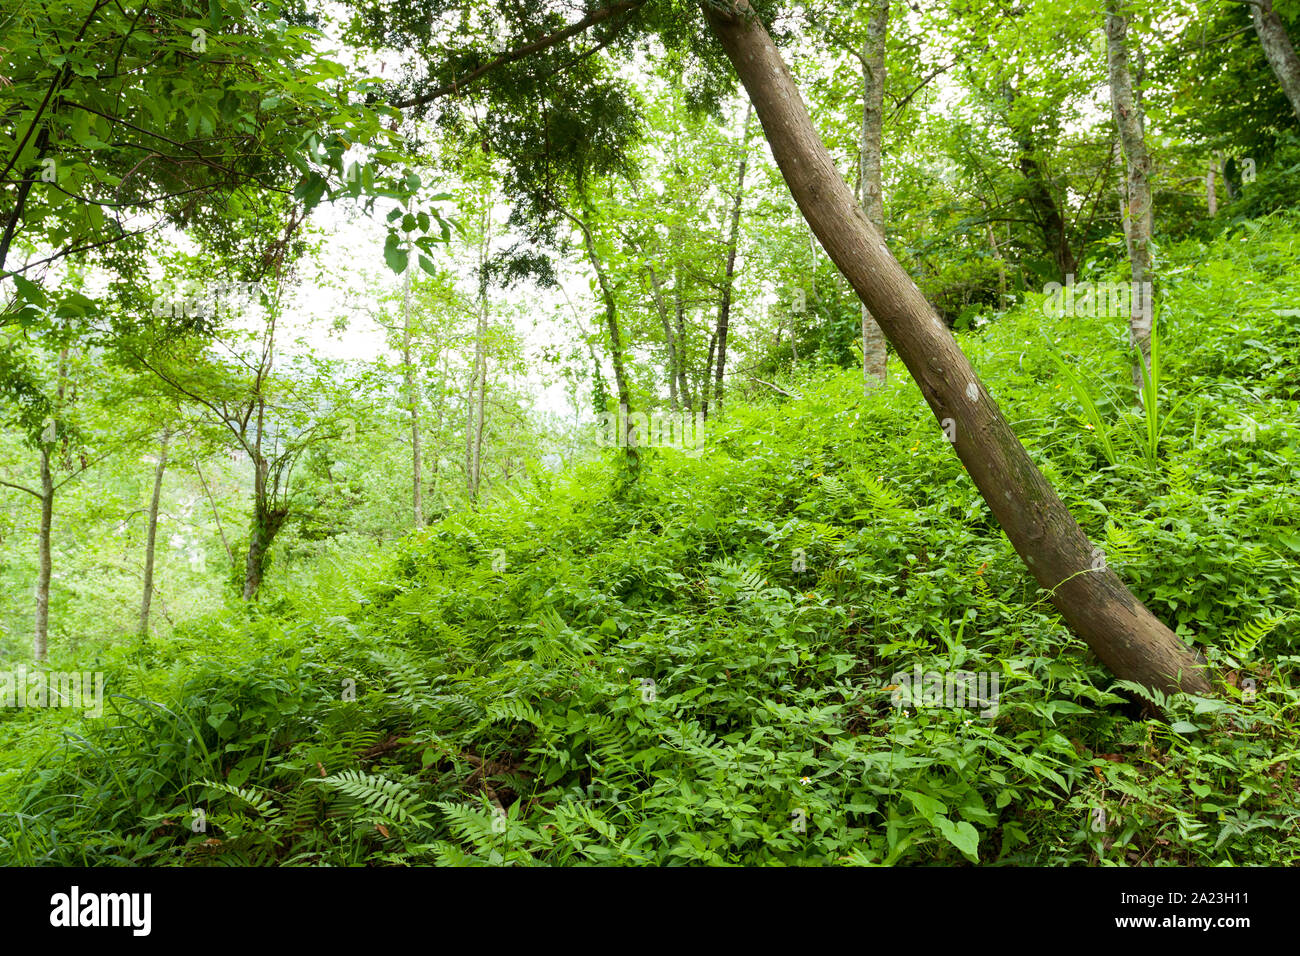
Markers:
(698, 670)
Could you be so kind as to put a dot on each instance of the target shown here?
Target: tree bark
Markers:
(679, 309)
(41, 641)
(1278, 50)
(875, 354)
(704, 377)
(267, 522)
(1138, 211)
(728, 279)
(1050, 221)
(412, 398)
(476, 395)
(1211, 199)
(474, 405)
(621, 384)
(151, 534)
(669, 342)
(1092, 599)
(212, 503)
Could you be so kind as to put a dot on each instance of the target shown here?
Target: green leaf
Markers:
(961, 835)
(394, 254)
(928, 807)
(30, 291)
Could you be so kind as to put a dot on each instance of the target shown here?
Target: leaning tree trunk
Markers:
(151, 535)
(1119, 628)
(1138, 214)
(874, 352)
(41, 642)
(1278, 50)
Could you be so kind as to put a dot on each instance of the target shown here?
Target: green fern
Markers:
(514, 709)
(382, 796)
(1243, 641)
(259, 802)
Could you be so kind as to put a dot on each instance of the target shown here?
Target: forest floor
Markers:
(716, 663)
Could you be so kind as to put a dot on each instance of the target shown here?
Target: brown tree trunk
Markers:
(1211, 199)
(1000, 260)
(670, 343)
(704, 377)
(474, 409)
(151, 535)
(1096, 604)
(216, 514)
(621, 385)
(412, 398)
(476, 396)
(875, 355)
(267, 522)
(728, 280)
(41, 642)
(1138, 214)
(679, 310)
(1050, 221)
(1278, 50)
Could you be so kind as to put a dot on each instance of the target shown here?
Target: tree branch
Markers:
(519, 53)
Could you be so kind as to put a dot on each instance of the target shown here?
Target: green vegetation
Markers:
(649, 432)
(500, 657)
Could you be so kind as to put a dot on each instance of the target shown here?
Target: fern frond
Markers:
(515, 709)
(380, 795)
(259, 802)
(1243, 641)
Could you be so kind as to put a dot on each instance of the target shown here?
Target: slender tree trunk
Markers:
(670, 343)
(45, 571)
(1132, 135)
(1278, 50)
(1000, 260)
(478, 378)
(482, 411)
(267, 522)
(1050, 221)
(412, 400)
(151, 534)
(1090, 596)
(41, 642)
(473, 405)
(1125, 221)
(679, 309)
(704, 376)
(1211, 200)
(1047, 213)
(729, 278)
(875, 355)
(621, 382)
(230, 554)
(435, 460)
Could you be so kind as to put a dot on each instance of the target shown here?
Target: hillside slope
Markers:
(705, 668)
